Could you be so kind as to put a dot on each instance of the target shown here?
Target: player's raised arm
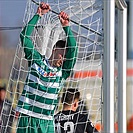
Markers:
(64, 19)
(28, 29)
(71, 52)
(43, 8)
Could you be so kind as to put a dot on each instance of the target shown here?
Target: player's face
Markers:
(58, 56)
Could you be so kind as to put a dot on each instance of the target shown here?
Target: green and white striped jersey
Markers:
(43, 83)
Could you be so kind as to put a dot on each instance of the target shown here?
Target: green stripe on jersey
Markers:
(40, 99)
(43, 88)
(35, 109)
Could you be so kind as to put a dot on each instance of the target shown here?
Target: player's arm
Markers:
(26, 42)
(90, 127)
(71, 52)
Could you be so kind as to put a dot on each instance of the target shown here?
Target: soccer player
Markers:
(69, 120)
(44, 81)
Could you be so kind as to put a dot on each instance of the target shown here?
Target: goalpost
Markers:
(87, 24)
(115, 94)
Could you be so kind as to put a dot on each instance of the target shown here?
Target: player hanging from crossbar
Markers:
(44, 81)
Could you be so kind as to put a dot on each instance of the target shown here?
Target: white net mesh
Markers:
(87, 73)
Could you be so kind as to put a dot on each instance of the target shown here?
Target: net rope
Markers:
(87, 72)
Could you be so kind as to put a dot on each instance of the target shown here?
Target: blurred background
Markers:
(11, 21)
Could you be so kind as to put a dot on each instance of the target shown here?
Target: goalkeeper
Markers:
(45, 78)
(69, 120)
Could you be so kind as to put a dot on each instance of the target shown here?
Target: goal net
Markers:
(86, 24)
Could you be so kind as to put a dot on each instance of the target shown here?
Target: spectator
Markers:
(6, 112)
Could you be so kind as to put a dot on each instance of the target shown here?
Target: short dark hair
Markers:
(70, 95)
(2, 88)
(60, 44)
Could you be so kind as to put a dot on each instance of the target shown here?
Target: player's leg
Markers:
(46, 126)
(23, 122)
(27, 124)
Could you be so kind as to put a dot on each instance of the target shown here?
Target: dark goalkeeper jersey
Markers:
(73, 122)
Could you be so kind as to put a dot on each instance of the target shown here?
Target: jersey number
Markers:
(66, 125)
